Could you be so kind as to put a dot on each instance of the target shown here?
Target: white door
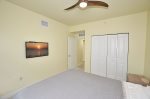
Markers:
(99, 55)
(122, 57)
(72, 52)
(112, 56)
(109, 56)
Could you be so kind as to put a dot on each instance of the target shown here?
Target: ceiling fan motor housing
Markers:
(84, 1)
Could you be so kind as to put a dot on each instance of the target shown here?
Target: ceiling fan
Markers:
(85, 3)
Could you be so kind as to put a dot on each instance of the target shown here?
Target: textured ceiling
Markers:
(55, 9)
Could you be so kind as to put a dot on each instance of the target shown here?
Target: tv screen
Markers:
(36, 49)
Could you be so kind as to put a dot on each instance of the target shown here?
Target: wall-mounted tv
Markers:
(36, 49)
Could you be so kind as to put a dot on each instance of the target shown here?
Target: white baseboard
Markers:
(9, 95)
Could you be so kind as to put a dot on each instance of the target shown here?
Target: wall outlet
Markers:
(20, 78)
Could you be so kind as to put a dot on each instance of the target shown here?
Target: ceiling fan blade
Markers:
(73, 6)
(97, 3)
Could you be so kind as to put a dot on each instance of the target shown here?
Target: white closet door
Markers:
(122, 57)
(112, 56)
(99, 55)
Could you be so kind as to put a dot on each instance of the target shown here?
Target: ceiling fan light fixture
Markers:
(83, 4)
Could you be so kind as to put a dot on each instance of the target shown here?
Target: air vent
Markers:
(81, 34)
(44, 23)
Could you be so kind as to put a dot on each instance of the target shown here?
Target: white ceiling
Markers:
(55, 9)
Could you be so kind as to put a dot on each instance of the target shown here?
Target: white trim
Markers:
(10, 95)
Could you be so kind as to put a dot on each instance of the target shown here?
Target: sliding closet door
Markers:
(109, 56)
(112, 56)
(122, 57)
(99, 55)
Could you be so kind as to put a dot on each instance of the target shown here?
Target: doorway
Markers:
(76, 50)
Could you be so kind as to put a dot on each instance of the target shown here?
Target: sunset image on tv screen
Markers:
(36, 49)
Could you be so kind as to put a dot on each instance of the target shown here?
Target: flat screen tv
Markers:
(36, 49)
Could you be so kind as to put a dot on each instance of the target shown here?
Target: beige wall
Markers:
(134, 24)
(80, 49)
(18, 25)
(147, 55)
(80, 52)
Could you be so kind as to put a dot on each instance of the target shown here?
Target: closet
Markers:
(109, 56)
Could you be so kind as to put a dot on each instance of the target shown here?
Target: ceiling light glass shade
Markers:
(83, 4)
